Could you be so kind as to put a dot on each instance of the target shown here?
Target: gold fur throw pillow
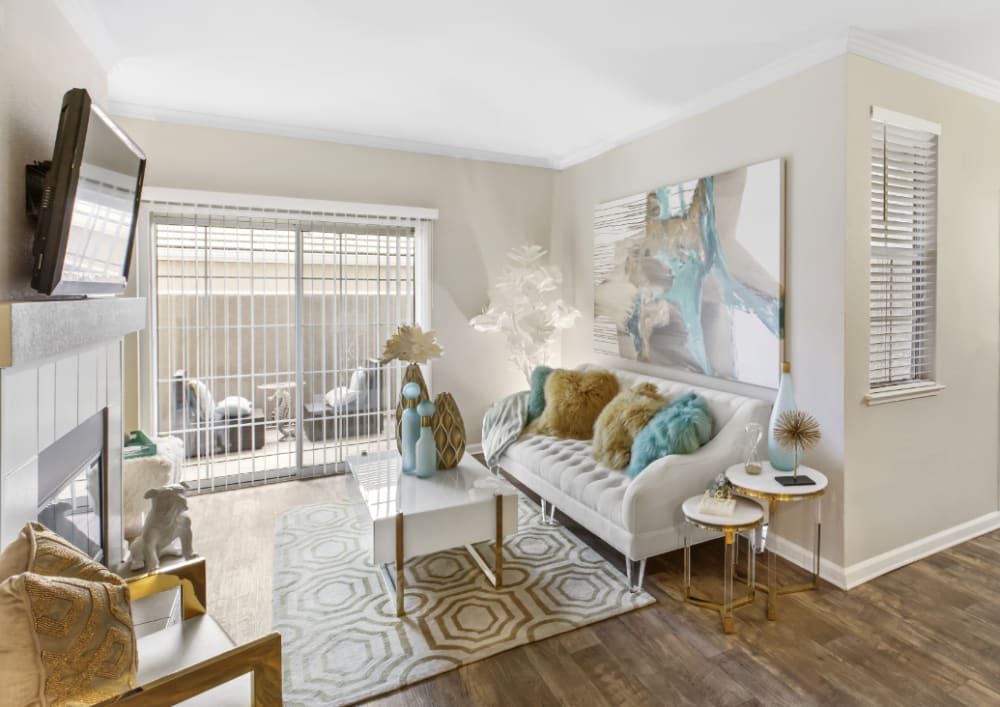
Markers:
(621, 420)
(573, 400)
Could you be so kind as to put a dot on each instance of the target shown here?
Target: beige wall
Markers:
(800, 119)
(486, 208)
(921, 466)
(40, 59)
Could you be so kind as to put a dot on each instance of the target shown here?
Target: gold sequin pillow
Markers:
(65, 623)
(38, 549)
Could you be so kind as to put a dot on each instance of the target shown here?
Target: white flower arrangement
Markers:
(526, 308)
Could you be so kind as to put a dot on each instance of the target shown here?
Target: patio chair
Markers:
(354, 410)
(207, 428)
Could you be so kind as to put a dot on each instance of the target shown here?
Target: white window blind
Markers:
(903, 265)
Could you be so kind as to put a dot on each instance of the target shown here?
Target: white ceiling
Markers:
(536, 82)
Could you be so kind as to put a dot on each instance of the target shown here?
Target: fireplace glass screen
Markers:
(74, 510)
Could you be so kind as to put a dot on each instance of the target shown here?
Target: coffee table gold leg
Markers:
(498, 572)
(400, 609)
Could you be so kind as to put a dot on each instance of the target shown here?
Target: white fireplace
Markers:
(61, 367)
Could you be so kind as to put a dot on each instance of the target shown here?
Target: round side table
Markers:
(766, 487)
(746, 516)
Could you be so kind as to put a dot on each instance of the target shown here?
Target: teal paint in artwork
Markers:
(690, 268)
(734, 293)
(632, 324)
(685, 293)
(667, 211)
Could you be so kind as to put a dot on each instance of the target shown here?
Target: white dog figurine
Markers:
(167, 521)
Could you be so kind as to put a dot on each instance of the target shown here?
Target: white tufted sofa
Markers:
(639, 517)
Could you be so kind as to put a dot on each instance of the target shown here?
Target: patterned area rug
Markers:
(342, 642)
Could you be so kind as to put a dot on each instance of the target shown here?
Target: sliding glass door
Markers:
(267, 336)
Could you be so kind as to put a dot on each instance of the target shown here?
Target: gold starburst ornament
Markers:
(798, 430)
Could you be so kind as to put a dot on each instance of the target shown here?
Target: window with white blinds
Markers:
(903, 264)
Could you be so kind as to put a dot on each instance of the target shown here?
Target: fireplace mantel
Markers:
(33, 330)
(61, 363)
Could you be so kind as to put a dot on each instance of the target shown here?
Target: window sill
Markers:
(896, 395)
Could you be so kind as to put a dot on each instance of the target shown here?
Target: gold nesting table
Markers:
(746, 517)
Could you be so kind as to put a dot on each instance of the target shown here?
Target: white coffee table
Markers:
(412, 516)
(765, 486)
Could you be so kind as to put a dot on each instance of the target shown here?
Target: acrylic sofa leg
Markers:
(635, 573)
(548, 513)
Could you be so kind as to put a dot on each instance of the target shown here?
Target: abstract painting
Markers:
(689, 275)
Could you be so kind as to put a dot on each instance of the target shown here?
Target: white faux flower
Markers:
(526, 308)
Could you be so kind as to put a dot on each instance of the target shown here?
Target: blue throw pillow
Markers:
(536, 398)
(680, 428)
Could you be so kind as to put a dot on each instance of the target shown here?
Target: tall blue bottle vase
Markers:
(782, 459)
(410, 429)
(426, 448)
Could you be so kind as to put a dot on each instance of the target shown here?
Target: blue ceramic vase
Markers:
(410, 428)
(782, 459)
(426, 449)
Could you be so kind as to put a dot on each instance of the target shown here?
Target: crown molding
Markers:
(870, 46)
(770, 73)
(207, 120)
(853, 41)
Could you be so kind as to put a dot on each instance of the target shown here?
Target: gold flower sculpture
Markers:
(411, 344)
(798, 430)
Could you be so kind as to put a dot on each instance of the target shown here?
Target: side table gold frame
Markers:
(772, 589)
(728, 604)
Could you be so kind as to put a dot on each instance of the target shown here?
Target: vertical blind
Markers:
(288, 312)
(903, 263)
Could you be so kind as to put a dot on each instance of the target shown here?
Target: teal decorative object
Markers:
(536, 398)
(410, 427)
(782, 458)
(680, 428)
(426, 451)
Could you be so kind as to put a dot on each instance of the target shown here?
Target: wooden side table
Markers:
(747, 515)
(765, 487)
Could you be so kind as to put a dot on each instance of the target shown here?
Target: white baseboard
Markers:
(866, 570)
(861, 572)
(803, 557)
(476, 448)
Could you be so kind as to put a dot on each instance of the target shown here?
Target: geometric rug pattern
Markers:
(342, 642)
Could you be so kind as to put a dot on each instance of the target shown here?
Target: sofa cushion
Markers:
(680, 428)
(573, 400)
(621, 420)
(569, 465)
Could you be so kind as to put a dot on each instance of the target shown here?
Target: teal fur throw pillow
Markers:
(536, 398)
(680, 428)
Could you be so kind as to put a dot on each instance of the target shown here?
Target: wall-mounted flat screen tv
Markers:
(88, 203)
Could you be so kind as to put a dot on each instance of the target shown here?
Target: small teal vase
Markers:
(426, 448)
(410, 428)
(782, 459)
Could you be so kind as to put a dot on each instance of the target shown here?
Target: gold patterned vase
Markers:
(411, 374)
(449, 431)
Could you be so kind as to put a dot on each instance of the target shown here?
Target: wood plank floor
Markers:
(926, 634)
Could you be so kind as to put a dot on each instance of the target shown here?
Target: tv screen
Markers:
(87, 211)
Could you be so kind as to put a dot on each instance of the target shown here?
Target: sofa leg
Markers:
(548, 513)
(634, 570)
